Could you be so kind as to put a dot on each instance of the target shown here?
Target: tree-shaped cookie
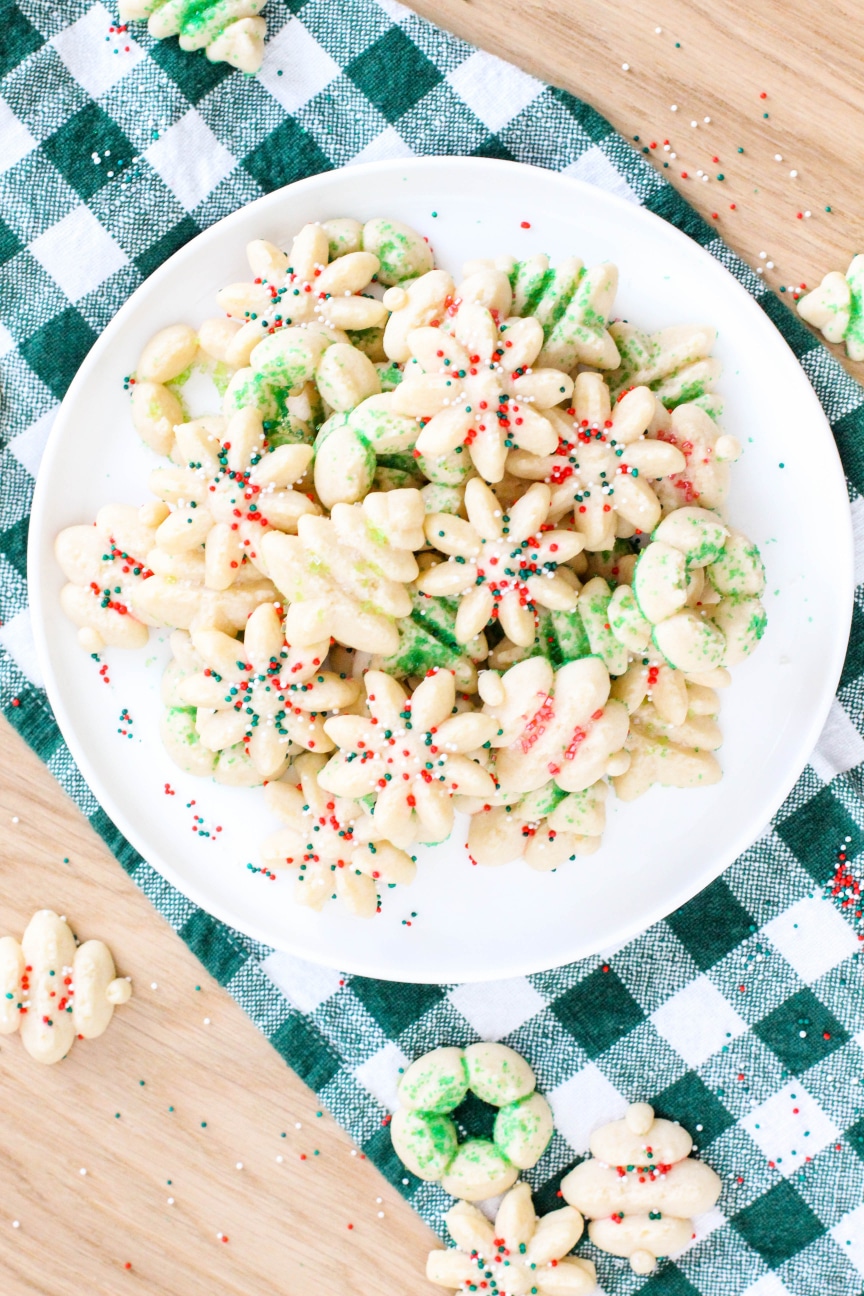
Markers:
(501, 565)
(52, 989)
(318, 842)
(573, 304)
(345, 576)
(641, 1187)
(471, 383)
(228, 31)
(410, 753)
(546, 827)
(424, 1133)
(676, 363)
(517, 1255)
(836, 307)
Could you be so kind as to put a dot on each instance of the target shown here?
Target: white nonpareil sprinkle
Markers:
(694, 123)
(778, 157)
(15, 819)
(759, 270)
(707, 120)
(379, 1200)
(673, 107)
(153, 985)
(380, 1214)
(657, 31)
(769, 265)
(280, 1159)
(793, 174)
(206, 1021)
(170, 1201)
(806, 214)
(82, 1171)
(625, 67)
(762, 256)
(239, 1165)
(297, 1125)
(15, 1224)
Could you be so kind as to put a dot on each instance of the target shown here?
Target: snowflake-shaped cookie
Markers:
(553, 725)
(470, 381)
(501, 565)
(52, 989)
(603, 468)
(641, 1187)
(410, 753)
(517, 1255)
(318, 841)
(261, 693)
(346, 575)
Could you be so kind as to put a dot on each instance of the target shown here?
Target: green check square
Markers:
(778, 1224)
(9, 243)
(395, 1008)
(598, 1011)
(815, 832)
(13, 544)
(690, 1102)
(212, 944)
(493, 147)
(668, 1281)
(301, 1046)
(20, 38)
(801, 1031)
(55, 351)
(160, 250)
(855, 1137)
(393, 74)
(90, 132)
(288, 153)
(195, 75)
(711, 924)
(379, 1149)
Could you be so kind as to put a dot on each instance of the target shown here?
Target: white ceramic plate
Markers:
(468, 923)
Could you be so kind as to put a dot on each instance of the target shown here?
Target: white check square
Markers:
(848, 1233)
(306, 985)
(582, 1103)
(697, 1021)
(594, 168)
(790, 1128)
(16, 636)
(382, 147)
(768, 1285)
(380, 1074)
(812, 937)
(190, 159)
(496, 1009)
(15, 139)
(78, 253)
(296, 67)
(29, 446)
(97, 57)
(495, 91)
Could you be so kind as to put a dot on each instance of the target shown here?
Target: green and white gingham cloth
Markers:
(742, 1014)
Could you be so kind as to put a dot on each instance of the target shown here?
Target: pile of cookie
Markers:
(445, 547)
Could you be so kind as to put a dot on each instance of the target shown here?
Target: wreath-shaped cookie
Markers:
(424, 1133)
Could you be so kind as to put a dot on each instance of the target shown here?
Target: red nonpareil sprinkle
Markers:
(128, 1264)
(526, 224)
(684, 175)
(16, 702)
(732, 207)
(763, 95)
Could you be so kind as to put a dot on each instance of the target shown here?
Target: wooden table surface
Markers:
(107, 1109)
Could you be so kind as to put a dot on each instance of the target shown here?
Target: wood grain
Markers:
(287, 1223)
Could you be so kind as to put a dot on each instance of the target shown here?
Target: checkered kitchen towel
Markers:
(742, 1014)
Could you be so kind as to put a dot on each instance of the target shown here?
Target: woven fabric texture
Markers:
(742, 1014)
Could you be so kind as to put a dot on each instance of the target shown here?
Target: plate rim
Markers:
(829, 678)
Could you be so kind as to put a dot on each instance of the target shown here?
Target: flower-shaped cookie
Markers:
(52, 989)
(346, 575)
(472, 385)
(227, 30)
(546, 827)
(604, 468)
(553, 725)
(410, 752)
(260, 693)
(501, 565)
(572, 304)
(318, 841)
(676, 363)
(708, 452)
(836, 307)
(692, 625)
(641, 1187)
(517, 1255)
(424, 1134)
